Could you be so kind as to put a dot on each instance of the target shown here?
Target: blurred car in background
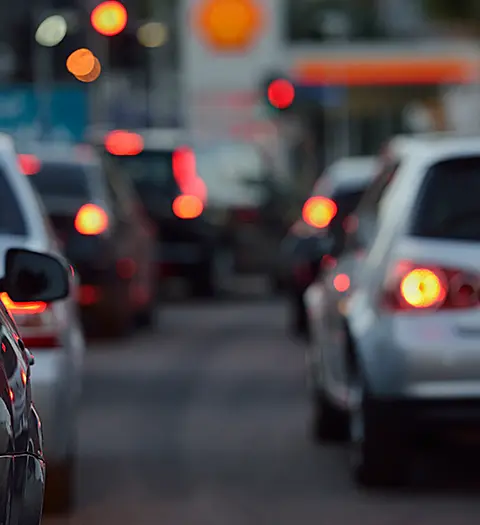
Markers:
(395, 356)
(161, 164)
(104, 234)
(52, 332)
(314, 240)
(206, 202)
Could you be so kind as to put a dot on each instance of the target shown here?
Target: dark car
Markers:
(314, 240)
(29, 277)
(99, 221)
(161, 166)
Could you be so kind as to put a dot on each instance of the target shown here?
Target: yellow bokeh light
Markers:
(93, 75)
(152, 34)
(81, 62)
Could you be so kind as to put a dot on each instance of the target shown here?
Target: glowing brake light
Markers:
(187, 207)
(124, 143)
(91, 220)
(341, 282)
(319, 211)
(422, 288)
(29, 164)
(22, 308)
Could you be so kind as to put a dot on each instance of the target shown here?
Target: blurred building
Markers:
(356, 65)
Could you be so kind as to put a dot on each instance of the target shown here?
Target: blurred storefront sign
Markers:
(68, 116)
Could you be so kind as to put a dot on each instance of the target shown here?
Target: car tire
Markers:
(378, 449)
(60, 487)
(329, 423)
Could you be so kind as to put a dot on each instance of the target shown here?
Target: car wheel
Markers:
(378, 452)
(60, 487)
(329, 423)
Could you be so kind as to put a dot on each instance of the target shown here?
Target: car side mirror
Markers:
(35, 277)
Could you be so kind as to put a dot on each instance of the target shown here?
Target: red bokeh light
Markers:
(281, 93)
(123, 143)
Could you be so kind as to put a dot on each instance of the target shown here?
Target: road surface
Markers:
(204, 423)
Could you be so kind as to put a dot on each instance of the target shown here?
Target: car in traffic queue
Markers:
(52, 331)
(313, 241)
(161, 164)
(203, 200)
(394, 358)
(104, 233)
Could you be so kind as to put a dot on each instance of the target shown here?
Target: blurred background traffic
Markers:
(200, 165)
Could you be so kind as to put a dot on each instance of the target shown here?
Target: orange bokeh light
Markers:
(187, 207)
(341, 282)
(229, 25)
(123, 143)
(319, 211)
(81, 62)
(94, 73)
(109, 18)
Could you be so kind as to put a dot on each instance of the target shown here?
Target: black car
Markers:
(161, 166)
(98, 219)
(29, 277)
(313, 242)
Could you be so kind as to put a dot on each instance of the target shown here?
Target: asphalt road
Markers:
(204, 423)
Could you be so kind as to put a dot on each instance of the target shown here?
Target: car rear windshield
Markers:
(61, 180)
(449, 204)
(12, 221)
(149, 171)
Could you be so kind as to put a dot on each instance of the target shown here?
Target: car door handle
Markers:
(30, 357)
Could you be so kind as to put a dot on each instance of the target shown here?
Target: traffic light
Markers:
(109, 18)
(279, 93)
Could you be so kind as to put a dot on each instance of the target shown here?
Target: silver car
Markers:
(396, 319)
(51, 331)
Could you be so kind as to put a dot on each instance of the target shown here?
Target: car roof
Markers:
(436, 146)
(347, 173)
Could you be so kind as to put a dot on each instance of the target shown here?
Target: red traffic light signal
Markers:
(281, 93)
(109, 18)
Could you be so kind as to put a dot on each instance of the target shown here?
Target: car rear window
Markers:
(149, 171)
(12, 221)
(449, 204)
(61, 179)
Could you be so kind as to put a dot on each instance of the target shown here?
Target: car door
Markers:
(16, 371)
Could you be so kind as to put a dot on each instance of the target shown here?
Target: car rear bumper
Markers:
(53, 394)
(417, 356)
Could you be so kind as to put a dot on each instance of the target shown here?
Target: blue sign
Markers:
(61, 114)
(327, 96)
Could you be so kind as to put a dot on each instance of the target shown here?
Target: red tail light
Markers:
(37, 322)
(91, 220)
(29, 164)
(187, 207)
(411, 287)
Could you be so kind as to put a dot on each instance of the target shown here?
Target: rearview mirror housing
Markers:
(35, 277)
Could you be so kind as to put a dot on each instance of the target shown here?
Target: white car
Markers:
(396, 321)
(52, 332)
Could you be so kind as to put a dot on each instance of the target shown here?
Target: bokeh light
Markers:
(81, 62)
(94, 73)
(187, 207)
(109, 18)
(229, 25)
(152, 34)
(51, 31)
